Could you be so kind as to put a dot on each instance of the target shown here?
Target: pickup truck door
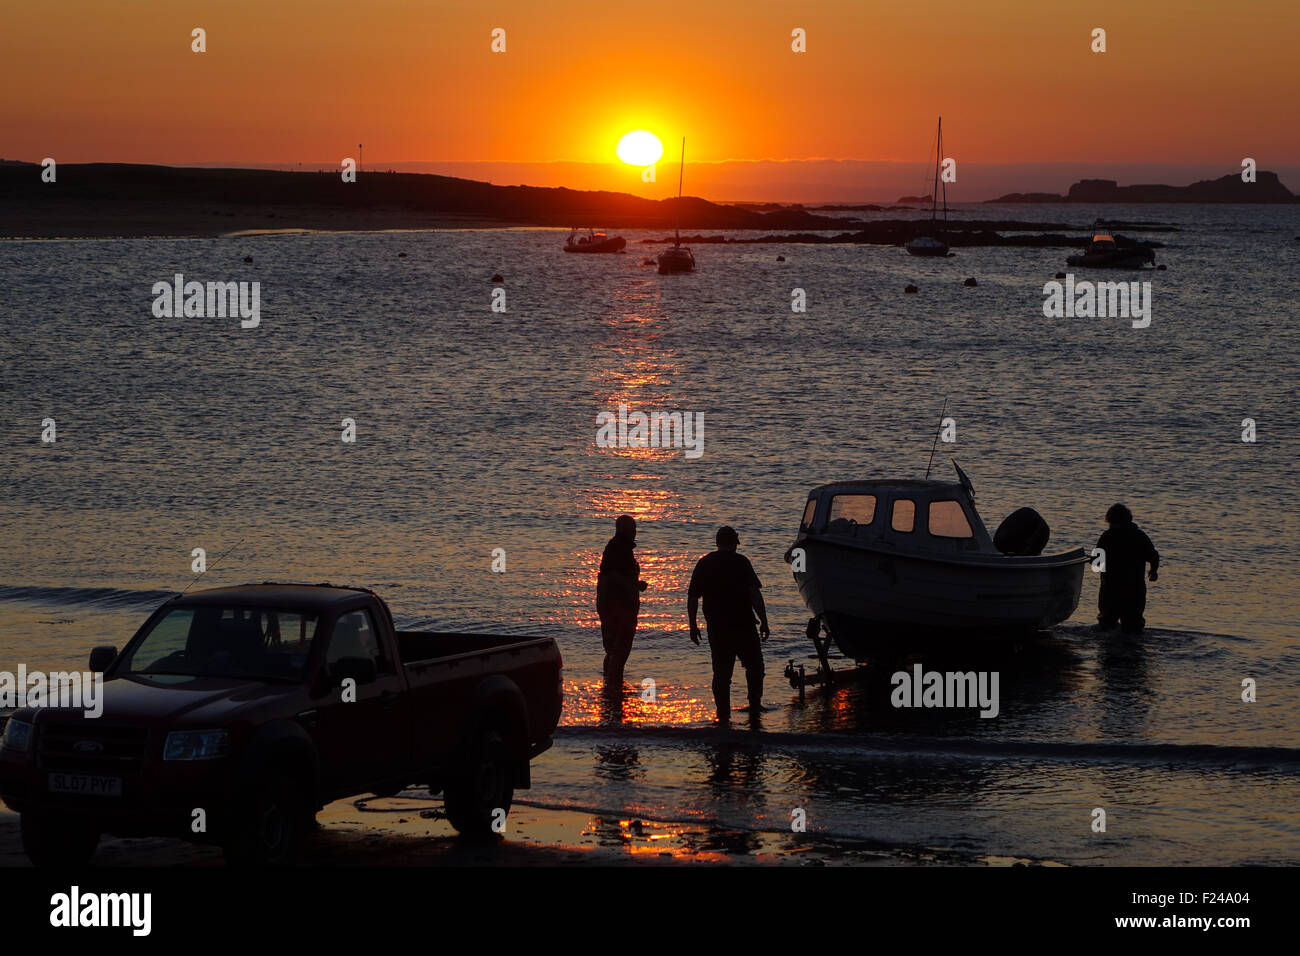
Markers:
(360, 734)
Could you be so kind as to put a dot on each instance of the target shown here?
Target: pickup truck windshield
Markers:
(226, 642)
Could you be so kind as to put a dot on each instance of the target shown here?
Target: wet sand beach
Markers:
(403, 832)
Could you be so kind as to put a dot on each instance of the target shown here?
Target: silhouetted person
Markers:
(618, 598)
(732, 596)
(1123, 595)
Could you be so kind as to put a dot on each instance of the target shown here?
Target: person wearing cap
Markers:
(1123, 594)
(618, 599)
(732, 597)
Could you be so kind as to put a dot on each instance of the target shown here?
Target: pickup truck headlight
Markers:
(195, 744)
(17, 735)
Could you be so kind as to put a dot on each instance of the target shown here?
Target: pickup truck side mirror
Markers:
(101, 659)
(360, 669)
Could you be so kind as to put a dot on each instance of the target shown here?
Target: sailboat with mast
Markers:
(928, 244)
(678, 258)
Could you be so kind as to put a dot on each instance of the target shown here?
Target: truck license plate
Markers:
(85, 784)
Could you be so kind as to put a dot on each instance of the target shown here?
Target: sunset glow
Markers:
(297, 82)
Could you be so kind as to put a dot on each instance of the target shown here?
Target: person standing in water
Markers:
(732, 597)
(618, 599)
(1123, 594)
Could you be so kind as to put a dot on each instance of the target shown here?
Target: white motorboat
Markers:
(887, 564)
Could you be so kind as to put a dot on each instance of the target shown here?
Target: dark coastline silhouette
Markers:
(1266, 188)
(111, 199)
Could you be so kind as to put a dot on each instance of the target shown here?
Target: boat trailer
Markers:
(825, 676)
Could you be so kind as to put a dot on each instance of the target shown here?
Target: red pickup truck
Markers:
(234, 714)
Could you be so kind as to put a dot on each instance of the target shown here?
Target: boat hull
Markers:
(616, 244)
(933, 248)
(1132, 259)
(671, 262)
(877, 600)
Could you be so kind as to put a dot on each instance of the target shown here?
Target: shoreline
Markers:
(412, 832)
(146, 221)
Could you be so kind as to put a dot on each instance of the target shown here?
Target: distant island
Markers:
(1267, 188)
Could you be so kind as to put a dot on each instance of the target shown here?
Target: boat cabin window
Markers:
(809, 512)
(859, 508)
(904, 517)
(948, 520)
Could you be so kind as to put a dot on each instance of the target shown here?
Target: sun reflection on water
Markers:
(587, 703)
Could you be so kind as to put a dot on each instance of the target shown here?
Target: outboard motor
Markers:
(1023, 532)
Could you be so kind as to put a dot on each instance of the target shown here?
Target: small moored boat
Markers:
(887, 565)
(679, 257)
(594, 242)
(927, 245)
(1105, 252)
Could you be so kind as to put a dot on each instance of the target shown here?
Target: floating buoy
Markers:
(401, 255)
(970, 282)
(780, 258)
(248, 258)
(498, 278)
(910, 288)
(1161, 268)
(1060, 275)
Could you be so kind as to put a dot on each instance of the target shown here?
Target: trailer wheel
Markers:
(54, 840)
(480, 791)
(269, 825)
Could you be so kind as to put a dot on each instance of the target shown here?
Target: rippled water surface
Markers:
(476, 431)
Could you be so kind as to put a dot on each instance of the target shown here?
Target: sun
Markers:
(640, 148)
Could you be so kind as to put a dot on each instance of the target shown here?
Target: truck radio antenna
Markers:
(214, 563)
(936, 438)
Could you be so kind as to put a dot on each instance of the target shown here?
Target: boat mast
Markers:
(681, 172)
(937, 156)
(934, 193)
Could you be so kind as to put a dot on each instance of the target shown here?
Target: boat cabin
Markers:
(934, 516)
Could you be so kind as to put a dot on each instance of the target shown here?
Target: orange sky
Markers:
(305, 80)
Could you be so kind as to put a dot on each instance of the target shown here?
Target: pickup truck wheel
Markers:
(269, 827)
(57, 841)
(481, 791)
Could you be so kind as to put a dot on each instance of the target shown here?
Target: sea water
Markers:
(476, 448)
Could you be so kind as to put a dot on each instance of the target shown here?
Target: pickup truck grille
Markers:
(91, 747)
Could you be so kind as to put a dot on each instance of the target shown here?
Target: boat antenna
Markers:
(936, 438)
(206, 567)
(681, 172)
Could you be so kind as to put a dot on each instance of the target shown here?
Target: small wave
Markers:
(102, 598)
(866, 747)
